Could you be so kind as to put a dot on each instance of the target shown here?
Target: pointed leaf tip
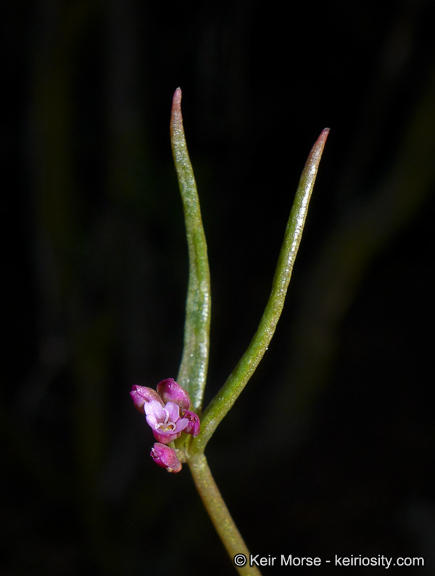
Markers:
(177, 131)
(313, 160)
(176, 102)
(323, 136)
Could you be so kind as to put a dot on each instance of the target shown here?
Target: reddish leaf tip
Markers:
(176, 116)
(324, 134)
(176, 101)
(320, 143)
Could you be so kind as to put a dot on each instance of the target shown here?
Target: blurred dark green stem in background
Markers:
(59, 212)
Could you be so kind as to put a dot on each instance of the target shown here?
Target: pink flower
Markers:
(165, 457)
(168, 415)
(165, 420)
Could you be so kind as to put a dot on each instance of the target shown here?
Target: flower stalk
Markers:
(219, 513)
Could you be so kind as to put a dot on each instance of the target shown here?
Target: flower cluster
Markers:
(167, 413)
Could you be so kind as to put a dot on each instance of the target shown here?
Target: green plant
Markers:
(174, 410)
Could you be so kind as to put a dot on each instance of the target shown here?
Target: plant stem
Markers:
(219, 513)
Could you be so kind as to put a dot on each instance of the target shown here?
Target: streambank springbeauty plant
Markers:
(173, 410)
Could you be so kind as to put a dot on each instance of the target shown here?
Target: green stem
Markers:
(219, 513)
(230, 391)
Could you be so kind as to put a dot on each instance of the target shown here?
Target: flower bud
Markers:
(194, 423)
(142, 394)
(165, 457)
(171, 391)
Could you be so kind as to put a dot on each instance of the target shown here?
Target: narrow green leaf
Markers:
(238, 379)
(193, 369)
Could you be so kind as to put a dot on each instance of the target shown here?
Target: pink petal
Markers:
(173, 411)
(155, 413)
(165, 437)
(181, 424)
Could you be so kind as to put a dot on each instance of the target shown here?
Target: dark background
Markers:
(330, 448)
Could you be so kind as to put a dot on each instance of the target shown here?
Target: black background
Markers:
(329, 450)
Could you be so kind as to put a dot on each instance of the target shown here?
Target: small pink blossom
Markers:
(165, 457)
(167, 413)
(165, 420)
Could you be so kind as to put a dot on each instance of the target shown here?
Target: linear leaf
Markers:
(193, 369)
(230, 391)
